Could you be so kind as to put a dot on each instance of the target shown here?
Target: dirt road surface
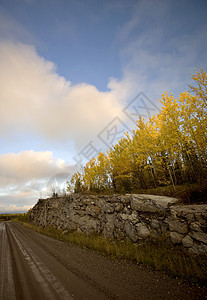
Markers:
(34, 266)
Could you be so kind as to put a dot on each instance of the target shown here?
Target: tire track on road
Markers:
(46, 282)
(7, 290)
(75, 275)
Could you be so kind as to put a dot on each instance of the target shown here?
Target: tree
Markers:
(121, 165)
(168, 149)
(200, 90)
(194, 127)
(76, 183)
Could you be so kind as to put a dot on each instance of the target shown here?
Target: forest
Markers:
(168, 150)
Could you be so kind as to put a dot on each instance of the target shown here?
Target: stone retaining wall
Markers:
(135, 217)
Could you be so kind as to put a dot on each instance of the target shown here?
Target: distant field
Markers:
(9, 216)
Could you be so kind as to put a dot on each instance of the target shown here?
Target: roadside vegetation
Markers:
(166, 154)
(9, 217)
(156, 254)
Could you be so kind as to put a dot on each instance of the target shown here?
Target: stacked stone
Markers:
(188, 226)
(134, 217)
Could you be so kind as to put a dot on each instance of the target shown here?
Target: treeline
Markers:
(8, 217)
(20, 217)
(169, 149)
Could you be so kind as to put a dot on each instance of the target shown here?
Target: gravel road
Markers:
(34, 266)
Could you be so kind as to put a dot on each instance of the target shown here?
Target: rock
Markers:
(199, 236)
(75, 197)
(81, 212)
(144, 205)
(199, 218)
(142, 231)
(162, 202)
(92, 210)
(193, 250)
(126, 211)
(202, 249)
(177, 225)
(130, 231)
(133, 217)
(187, 241)
(108, 230)
(71, 226)
(164, 227)
(85, 201)
(119, 207)
(204, 227)
(110, 218)
(204, 215)
(198, 249)
(109, 227)
(119, 224)
(111, 199)
(108, 208)
(190, 217)
(126, 216)
(155, 224)
(93, 226)
(83, 220)
(195, 227)
(125, 199)
(176, 238)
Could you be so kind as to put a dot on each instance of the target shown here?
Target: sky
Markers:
(74, 75)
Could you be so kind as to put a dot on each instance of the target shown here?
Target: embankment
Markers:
(135, 217)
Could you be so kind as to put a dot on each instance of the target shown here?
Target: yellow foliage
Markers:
(170, 147)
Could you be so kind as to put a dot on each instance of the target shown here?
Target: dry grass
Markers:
(8, 217)
(159, 254)
(186, 193)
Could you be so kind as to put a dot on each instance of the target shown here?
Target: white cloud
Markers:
(34, 98)
(14, 208)
(159, 51)
(25, 175)
(29, 166)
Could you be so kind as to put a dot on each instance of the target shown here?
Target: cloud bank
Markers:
(35, 99)
(159, 47)
(27, 166)
(25, 176)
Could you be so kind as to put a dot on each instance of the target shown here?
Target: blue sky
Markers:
(69, 68)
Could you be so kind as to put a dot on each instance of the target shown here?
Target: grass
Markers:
(188, 193)
(158, 254)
